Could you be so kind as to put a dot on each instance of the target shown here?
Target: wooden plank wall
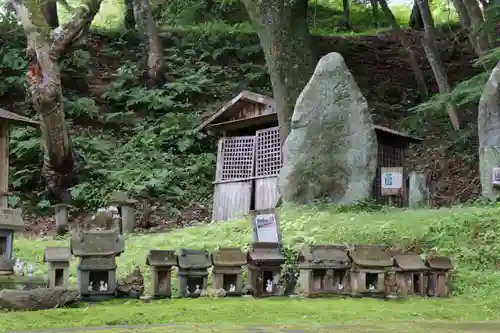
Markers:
(231, 200)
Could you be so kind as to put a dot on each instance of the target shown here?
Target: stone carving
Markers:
(132, 285)
(331, 150)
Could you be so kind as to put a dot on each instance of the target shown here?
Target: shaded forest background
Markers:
(139, 139)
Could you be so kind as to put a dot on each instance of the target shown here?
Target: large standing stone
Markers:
(332, 148)
(488, 128)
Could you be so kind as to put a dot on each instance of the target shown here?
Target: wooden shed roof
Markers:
(242, 96)
(17, 119)
(265, 100)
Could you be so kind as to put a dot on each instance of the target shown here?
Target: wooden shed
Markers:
(249, 156)
(8, 118)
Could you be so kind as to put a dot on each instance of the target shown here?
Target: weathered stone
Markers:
(332, 148)
(36, 299)
(488, 128)
(131, 285)
(418, 191)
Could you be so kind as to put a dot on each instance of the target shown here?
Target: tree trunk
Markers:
(347, 14)
(412, 59)
(152, 45)
(37, 299)
(286, 42)
(477, 33)
(59, 165)
(129, 20)
(415, 18)
(432, 52)
(374, 5)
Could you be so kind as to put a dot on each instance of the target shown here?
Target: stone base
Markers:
(22, 282)
(96, 298)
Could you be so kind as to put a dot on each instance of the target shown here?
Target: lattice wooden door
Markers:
(234, 177)
(268, 163)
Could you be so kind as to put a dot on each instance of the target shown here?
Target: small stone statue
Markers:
(269, 286)
(340, 286)
(30, 269)
(106, 286)
(232, 288)
(17, 268)
(371, 287)
(91, 287)
(132, 285)
(197, 290)
(187, 290)
(101, 286)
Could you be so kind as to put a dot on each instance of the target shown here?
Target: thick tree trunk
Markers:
(412, 59)
(286, 41)
(59, 164)
(415, 18)
(347, 14)
(478, 35)
(432, 52)
(129, 20)
(374, 5)
(152, 42)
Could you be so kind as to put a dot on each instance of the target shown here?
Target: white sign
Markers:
(391, 179)
(267, 229)
(495, 176)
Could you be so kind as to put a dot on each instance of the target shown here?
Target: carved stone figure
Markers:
(131, 285)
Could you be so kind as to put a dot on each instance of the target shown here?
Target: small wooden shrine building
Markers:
(8, 118)
(249, 156)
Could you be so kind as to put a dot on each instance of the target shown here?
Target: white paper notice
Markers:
(267, 230)
(392, 180)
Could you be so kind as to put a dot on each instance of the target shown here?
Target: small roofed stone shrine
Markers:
(324, 270)
(97, 251)
(369, 266)
(160, 263)
(192, 272)
(58, 259)
(11, 220)
(249, 157)
(264, 269)
(411, 274)
(228, 270)
(439, 276)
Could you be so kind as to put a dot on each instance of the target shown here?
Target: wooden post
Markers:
(4, 163)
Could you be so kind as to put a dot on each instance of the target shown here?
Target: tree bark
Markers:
(478, 35)
(152, 47)
(415, 18)
(374, 5)
(412, 59)
(37, 299)
(432, 52)
(286, 42)
(44, 84)
(347, 14)
(129, 20)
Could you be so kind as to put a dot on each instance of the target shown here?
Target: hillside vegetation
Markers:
(140, 140)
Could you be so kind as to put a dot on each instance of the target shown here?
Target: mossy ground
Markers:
(469, 235)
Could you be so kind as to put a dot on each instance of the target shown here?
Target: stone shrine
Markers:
(97, 251)
(227, 271)
(193, 272)
(10, 221)
(59, 259)
(264, 269)
(161, 263)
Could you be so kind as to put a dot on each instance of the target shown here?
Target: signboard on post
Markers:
(391, 181)
(266, 226)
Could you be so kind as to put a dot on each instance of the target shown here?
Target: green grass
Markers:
(470, 235)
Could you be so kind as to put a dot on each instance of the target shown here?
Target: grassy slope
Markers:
(468, 235)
